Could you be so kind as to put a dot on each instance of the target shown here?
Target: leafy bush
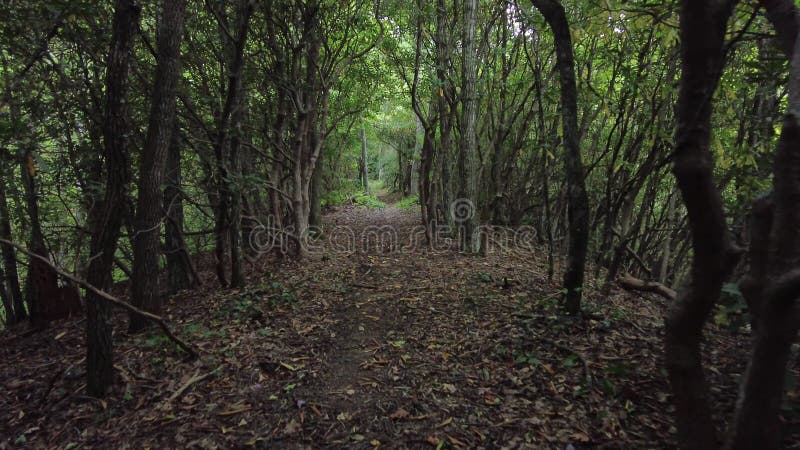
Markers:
(408, 202)
(336, 198)
(370, 201)
(732, 310)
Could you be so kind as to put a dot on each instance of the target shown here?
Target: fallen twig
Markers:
(196, 378)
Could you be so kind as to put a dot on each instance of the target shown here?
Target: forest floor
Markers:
(368, 346)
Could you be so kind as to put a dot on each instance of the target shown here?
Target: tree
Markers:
(556, 17)
(15, 309)
(106, 218)
(468, 160)
(149, 209)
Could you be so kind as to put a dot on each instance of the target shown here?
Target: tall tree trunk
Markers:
(177, 255)
(467, 213)
(238, 118)
(11, 277)
(9, 318)
(363, 165)
(145, 286)
(702, 26)
(666, 249)
(757, 423)
(229, 116)
(106, 218)
(36, 293)
(444, 98)
(578, 207)
(315, 213)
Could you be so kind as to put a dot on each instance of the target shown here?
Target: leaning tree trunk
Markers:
(702, 26)
(106, 218)
(578, 206)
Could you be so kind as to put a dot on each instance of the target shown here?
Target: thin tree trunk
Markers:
(11, 277)
(145, 286)
(106, 218)
(663, 269)
(315, 213)
(467, 211)
(364, 170)
(227, 205)
(578, 206)
(178, 258)
(40, 280)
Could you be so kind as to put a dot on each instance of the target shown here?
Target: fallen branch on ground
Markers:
(634, 284)
(109, 298)
(196, 378)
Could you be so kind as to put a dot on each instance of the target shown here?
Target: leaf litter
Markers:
(381, 347)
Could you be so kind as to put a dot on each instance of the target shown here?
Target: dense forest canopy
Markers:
(652, 146)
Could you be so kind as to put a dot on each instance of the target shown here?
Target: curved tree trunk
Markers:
(578, 207)
(703, 25)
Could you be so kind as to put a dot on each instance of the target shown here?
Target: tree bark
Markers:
(106, 218)
(177, 255)
(757, 423)
(468, 160)
(315, 213)
(40, 282)
(11, 277)
(226, 207)
(578, 207)
(363, 165)
(145, 286)
(702, 27)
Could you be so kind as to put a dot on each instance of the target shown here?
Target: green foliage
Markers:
(370, 201)
(731, 312)
(336, 198)
(408, 203)
(528, 358)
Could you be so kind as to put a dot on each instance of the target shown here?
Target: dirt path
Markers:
(368, 343)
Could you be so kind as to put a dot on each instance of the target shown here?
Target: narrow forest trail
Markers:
(369, 343)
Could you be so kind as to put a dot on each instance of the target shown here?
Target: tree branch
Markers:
(111, 299)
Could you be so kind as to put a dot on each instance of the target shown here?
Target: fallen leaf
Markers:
(399, 414)
(292, 427)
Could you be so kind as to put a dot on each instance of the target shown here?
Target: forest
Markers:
(438, 224)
